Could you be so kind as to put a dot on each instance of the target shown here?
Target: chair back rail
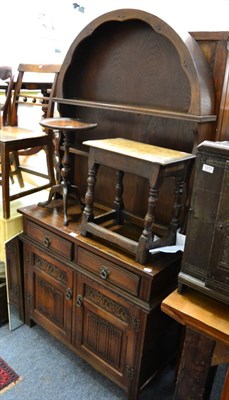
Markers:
(33, 89)
(6, 75)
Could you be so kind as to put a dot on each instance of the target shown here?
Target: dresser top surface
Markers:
(51, 218)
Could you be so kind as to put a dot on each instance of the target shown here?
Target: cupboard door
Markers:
(106, 330)
(48, 292)
(15, 275)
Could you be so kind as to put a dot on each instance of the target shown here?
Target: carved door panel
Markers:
(48, 292)
(14, 275)
(106, 328)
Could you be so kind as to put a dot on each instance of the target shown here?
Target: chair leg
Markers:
(5, 160)
(15, 161)
(11, 176)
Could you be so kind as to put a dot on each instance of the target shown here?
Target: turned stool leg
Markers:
(88, 214)
(146, 239)
(174, 224)
(119, 205)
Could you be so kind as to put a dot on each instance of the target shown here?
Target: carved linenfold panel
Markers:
(111, 306)
(50, 269)
(49, 302)
(103, 339)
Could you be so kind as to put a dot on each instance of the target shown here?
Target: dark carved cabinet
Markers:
(100, 303)
(97, 322)
(205, 264)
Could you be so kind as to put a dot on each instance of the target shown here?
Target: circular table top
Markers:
(67, 124)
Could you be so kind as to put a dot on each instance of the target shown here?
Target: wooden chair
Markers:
(6, 76)
(16, 140)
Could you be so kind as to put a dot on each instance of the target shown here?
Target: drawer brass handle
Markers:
(68, 294)
(104, 272)
(79, 301)
(46, 241)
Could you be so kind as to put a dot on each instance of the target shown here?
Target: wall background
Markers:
(43, 30)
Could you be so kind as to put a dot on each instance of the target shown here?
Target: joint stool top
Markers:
(139, 150)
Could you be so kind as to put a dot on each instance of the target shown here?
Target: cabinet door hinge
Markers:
(28, 297)
(136, 324)
(129, 372)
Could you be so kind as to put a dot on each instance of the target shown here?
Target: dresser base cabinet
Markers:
(103, 305)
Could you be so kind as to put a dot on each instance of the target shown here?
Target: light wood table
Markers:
(206, 342)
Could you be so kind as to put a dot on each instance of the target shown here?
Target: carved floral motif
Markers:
(111, 306)
(51, 269)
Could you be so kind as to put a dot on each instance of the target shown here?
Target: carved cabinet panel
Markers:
(106, 326)
(48, 292)
(15, 275)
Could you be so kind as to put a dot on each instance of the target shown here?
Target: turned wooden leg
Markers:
(174, 224)
(146, 239)
(88, 214)
(118, 198)
(56, 155)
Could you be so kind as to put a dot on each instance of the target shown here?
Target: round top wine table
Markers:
(69, 127)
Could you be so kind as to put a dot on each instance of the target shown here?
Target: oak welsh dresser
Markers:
(140, 80)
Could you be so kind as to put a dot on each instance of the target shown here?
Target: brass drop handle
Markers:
(46, 241)
(104, 272)
(68, 294)
(79, 301)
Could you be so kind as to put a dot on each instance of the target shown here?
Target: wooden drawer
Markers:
(50, 240)
(109, 272)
